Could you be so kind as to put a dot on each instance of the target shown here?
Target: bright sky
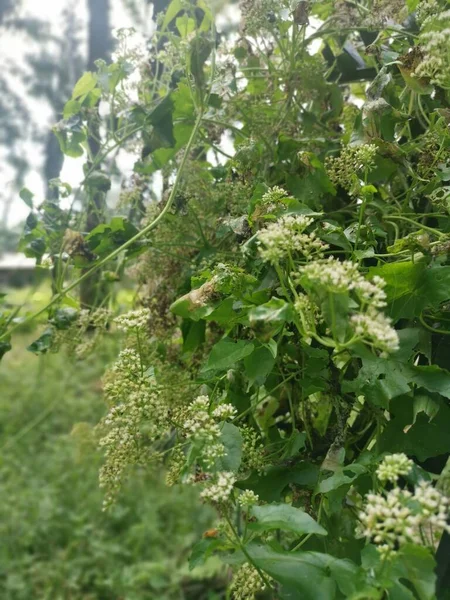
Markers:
(14, 47)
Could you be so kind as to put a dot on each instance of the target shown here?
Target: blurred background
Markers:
(56, 543)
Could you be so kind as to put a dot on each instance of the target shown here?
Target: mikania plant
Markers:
(288, 354)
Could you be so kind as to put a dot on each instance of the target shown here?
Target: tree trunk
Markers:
(99, 43)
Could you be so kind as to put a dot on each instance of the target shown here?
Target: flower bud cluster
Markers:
(134, 320)
(278, 240)
(202, 427)
(248, 498)
(176, 464)
(246, 583)
(253, 457)
(138, 416)
(309, 312)
(394, 466)
(258, 15)
(343, 169)
(435, 64)
(123, 444)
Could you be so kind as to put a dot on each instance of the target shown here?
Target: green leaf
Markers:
(414, 433)
(412, 287)
(172, 10)
(227, 353)
(271, 485)
(342, 476)
(97, 180)
(196, 304)
(200, 49)
(72, 107)
(432, 378)
(193, 334)
(5, 346)
(231, 438)
(286, 518)
(162, 134)
(311, 575)
(84, 85)
(27, 197)
(202, 550)
(185, 25)
(412, 5)
(106, 237)
(43, 343)
(413, 564)
(64, 317)
(259, 364)
(274, 311)
(380, 380)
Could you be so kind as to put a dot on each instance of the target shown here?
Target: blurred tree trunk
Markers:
(99, 44)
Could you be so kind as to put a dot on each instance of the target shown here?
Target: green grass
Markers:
(56, 543)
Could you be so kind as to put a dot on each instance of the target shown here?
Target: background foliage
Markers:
(287, 226)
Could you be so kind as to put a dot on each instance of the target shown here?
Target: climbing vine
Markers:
(287, 226)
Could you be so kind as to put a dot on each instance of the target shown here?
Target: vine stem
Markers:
(246, 554)
(124, 246)
(417, 224)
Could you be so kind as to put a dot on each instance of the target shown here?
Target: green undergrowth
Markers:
(56, 543)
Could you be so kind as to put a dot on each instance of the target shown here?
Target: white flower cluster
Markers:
(137, 417)
(219, 489)
(425, 9)
(376, 329)
(334, 275)
(435, 64)
(255, 15)
(133, 320)
(246, 583)
(342, 277)
(286, 236)
(394, 466)
(248, 498)
(122, 443)
(123, 378)
(371, 292)
(201, 426)
(399, 517)
(224, 412)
